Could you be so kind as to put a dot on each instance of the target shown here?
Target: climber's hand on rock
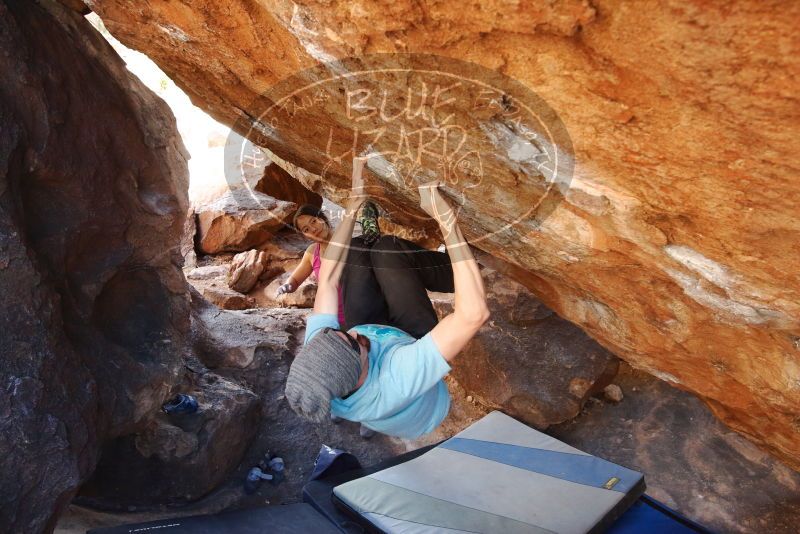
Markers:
(434, 204)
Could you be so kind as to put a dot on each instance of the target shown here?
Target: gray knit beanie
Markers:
(325, 368)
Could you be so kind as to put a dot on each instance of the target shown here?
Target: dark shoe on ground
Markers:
(369, 223)
(181, 404)
(263, 464)
(276, 468)
(253, 480)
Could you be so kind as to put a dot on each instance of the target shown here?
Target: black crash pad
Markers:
(318, 492)
(290, 518)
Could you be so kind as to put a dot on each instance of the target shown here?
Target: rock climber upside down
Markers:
(384, 367)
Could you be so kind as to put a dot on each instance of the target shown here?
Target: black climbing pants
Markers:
(386, 283)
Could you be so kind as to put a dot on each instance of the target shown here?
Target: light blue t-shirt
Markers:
(404, 394)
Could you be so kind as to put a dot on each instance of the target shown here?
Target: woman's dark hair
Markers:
(311, 210)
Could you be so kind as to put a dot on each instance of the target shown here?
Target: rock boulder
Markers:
(178, 458)
(279, 184)
(187, 240)
(240, 219)
(235, 338)
(224, 297)
(527, 361)
(245, 270)
(674, 241)
(94, 318)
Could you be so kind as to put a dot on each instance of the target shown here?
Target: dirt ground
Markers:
(285, 434)
(691, 461)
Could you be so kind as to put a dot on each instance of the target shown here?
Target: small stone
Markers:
(207, 272)
(578, 387)
(469, 398)
(613, 393)
(245, 270)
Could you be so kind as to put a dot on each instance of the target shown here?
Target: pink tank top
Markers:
(316, 263)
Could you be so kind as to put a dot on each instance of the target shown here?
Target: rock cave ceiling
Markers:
(674, 239)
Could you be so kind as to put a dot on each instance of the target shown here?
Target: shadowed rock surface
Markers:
(95, 312)
(173, 459)
(528, 362)
(187, 244)
(177, 458)
(236, 339)
(674, 243)
(691, 462)
(279, 184)
(280, 432)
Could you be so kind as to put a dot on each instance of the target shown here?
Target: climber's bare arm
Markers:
(330, 271)
(333, 260)
(470, 311)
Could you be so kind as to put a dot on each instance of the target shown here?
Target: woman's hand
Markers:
(288, 287)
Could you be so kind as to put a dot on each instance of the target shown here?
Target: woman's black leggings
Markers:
(386, 283)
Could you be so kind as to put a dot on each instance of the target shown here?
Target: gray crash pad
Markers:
(498, 475)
